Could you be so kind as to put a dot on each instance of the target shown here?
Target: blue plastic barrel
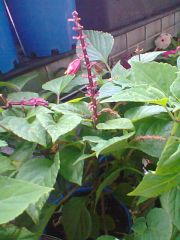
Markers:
(8, 54)
(42, 25)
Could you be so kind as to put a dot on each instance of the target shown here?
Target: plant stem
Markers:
(103, 214)
(91, 88)
(69, 194)
(108, 67)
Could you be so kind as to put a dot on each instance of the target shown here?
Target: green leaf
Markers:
(170, 202)
(99, 45)
(81, 226)
(3, 143)
(78, 81)
(107, 237)
(5, 164)
(58, 85)
(119, 72)
(16, 195)
(106, 182)
(141, 93)
(71, 169)
(21, 81)
(120, 76)
(22, 153)
(9, 85)
(145, 57)
(178, 62)
(64, 125)
(84, 157)
(141, 112)
(108, 89)
(115, 144)
(175, 88)
(169, 161)
(119, 123)
(19, 96)
(13, 233)
(150, 127)
(153, 185)
(155, 226)
(78, 108)
(33, 132)
(157, 75)
(43, 172)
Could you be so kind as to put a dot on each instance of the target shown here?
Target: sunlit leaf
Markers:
(16, 195)
(156, 225)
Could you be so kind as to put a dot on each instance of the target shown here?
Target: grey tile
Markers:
(167, 21)
(149, 44)
(177, 28)
(119, 44)
(170, 30)
(153, 28)
(177, 17)
(136, 36)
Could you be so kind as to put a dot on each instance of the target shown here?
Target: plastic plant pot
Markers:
(8, 55)
(110, 15)
(47, 237)
(119, 206)
(42, 25)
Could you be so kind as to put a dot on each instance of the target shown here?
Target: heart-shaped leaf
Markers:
(64, 125)
(141, 93)
(156, 225)
(157, 75)
(153, 185)
(141, 112)
(119, 123)
(99, 45)
(170, 202)
(81, 227)
(32, 132)
(42, 172)
(175, 88)
(58, 85)
(16, 195)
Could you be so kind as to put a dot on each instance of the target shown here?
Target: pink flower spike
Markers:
(73, 67)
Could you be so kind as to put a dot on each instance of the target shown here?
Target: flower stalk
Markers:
(31, 102)
(92, 86)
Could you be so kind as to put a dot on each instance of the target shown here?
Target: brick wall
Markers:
(144, 36)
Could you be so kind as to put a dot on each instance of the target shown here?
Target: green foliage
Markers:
(154, 184)
(107, 238)
(119, 123)
(99, 45)
(16, 197)
(14, 233)
(170, 202)
(140, 93)
(64, 124)
(81, 227)
(132, 147)
(70, 168)
(58, 85)
(156, 225)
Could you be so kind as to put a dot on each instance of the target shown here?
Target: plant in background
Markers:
(92, 166)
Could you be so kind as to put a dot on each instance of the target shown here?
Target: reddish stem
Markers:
(91, 88)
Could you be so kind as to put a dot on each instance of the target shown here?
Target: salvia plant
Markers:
(104, 164)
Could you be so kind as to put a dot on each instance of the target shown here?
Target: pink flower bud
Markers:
(73, 67)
